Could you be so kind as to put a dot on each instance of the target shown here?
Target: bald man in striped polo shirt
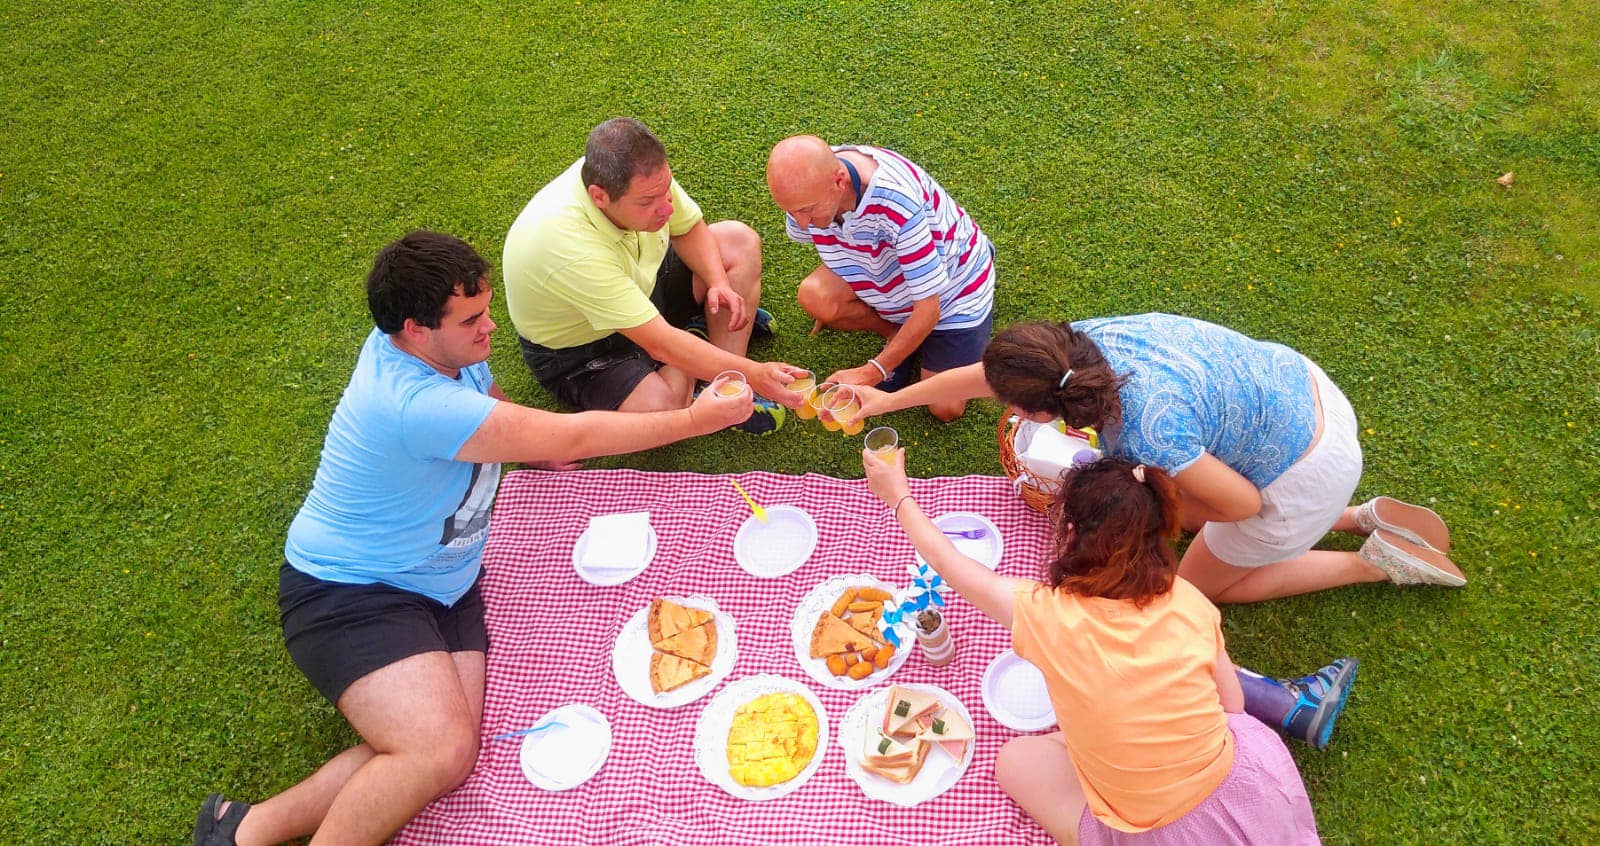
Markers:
(899, 258)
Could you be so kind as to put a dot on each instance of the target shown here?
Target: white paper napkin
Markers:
(616, 541)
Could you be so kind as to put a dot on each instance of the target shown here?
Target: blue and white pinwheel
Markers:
(925, 591)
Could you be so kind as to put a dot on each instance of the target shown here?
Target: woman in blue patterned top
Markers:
(1262, 444)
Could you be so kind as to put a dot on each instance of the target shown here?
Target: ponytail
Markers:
(1114, 523)
(1053, 368)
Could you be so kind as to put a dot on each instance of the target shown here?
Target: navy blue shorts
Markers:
(942, 351)
(337, 633)
(946, 350)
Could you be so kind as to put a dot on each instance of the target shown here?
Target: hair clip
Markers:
(1064, 377)
(1138, 473)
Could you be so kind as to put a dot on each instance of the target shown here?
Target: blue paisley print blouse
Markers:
(1198, 387)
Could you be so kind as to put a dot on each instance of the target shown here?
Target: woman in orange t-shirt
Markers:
(1153, 747)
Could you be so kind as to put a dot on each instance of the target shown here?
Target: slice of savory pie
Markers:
(833, 636)
(670, 672)
(685, 643)
(698, 644)
(668, 618)
(866, 624)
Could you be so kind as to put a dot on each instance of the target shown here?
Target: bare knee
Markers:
(1202, 568)
(1013, 764)
(813, 297)
(737, 241)
(442, 752)
(947, 413)
(741, 255)
(1036, 772)
(654, 393)
(457, 755)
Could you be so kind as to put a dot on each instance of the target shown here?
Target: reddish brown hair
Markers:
(1113, 532)
(1024, 364)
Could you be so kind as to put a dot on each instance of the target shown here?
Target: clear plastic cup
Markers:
(818, 405)
(842, 404)
(804, 384)
(882, 441)
(730, 383)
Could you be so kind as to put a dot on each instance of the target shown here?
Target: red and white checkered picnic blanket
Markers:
(551, 636)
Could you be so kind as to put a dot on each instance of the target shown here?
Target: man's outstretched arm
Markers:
(515, 432)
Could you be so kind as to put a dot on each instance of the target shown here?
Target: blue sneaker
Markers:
(1321, 697)
(763, 325)
(766, 419)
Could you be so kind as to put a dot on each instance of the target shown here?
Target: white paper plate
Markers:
(777, 547)
(812, 606)
(711, 735)
(562, 758)
(608, 576)
(630, 658)
(1014, 692)
(985, 550)
(939, 771)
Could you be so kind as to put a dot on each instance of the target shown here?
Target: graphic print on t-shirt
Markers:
(471, 521)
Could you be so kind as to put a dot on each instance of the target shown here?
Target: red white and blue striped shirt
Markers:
(906, 240)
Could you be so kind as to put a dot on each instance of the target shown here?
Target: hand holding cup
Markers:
(771, 380)
(886, 474)
(714, 410)
(874, 403)
(866, 374)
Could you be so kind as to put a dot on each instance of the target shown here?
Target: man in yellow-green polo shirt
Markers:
(611, 270)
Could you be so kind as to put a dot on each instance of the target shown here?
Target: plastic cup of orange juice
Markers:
(729, 383)
(803, 384)
(842, 404)
(882, 441)
(818, 406)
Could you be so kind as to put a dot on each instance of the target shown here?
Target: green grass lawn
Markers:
(190, 196)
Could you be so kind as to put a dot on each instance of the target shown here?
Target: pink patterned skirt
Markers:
(1262, 801)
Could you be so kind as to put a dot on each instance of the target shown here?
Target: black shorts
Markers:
(337, 633)
(601, 374)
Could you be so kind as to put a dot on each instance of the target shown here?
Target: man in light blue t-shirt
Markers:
(378, 592)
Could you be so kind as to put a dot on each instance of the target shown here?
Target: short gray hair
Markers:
(618, 150)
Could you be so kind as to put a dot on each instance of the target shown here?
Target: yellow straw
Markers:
(761, 513)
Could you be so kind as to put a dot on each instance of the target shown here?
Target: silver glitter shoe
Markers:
(1407, 563)
(1415, 523)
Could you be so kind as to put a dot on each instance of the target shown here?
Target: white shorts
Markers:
(1300, 506)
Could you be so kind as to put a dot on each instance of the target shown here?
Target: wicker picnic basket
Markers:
(1036, 492)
